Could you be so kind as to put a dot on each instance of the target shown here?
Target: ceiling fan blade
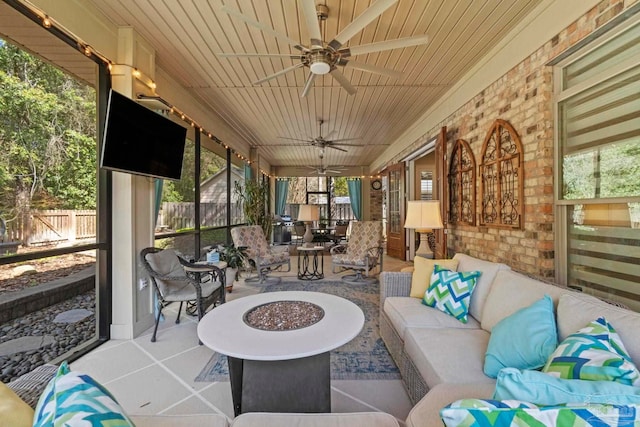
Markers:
(386, 45)
(313, 25)
(371, 13)
(372, 69)
(262, 27)
(308, 85)
(333, 141)
(328, 136)
(279, 73)
(337, 148)
(343, 81)
(332, 171)
(293, 139)
(258, 55)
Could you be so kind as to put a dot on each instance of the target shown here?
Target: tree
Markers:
(47, 137)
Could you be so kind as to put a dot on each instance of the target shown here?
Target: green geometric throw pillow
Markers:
(74, 399)
(593, 353)
(513, 413)
(450, 291)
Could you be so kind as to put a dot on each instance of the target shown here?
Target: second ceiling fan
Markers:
(324, 57)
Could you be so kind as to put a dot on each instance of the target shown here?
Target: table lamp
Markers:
(308, 214)
(423, 216)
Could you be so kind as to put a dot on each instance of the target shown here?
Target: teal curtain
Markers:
(354, 186)
(158, 186)
(282, 188)
(248, 173)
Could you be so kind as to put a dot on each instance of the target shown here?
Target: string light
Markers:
(86, 49)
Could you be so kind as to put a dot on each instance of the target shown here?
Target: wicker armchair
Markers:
(262, 257)
(173, 284)
(362, 254)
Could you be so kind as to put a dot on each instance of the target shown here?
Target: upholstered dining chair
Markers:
(340, 232)
(361, 254)
(263, 257)
(173, 284)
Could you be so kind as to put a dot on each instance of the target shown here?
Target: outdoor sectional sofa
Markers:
(441, 359)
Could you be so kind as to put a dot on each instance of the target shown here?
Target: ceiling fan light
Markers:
(320, 67)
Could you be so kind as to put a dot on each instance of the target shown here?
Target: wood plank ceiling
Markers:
(188, 35)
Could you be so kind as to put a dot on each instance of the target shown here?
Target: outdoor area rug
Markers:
(364, 358)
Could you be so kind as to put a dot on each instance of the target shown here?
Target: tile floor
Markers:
(158, 378)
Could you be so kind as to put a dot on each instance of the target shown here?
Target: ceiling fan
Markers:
(322, 57)
(323, 170)
(322, 142)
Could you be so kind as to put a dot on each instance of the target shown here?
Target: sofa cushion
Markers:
(422, 271)
(450, 291)
(489, 270)
(448, 355)
(427, 411)
(593, 353)
(543, 389)
(512, 291)
(576, 310)
(524, 340)
(354, 419)
(406, 313)
(204, 420)
(514, 413)
(14, 412)
(72, 398)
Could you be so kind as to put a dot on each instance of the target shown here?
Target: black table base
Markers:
(310, 265)
(294, 385)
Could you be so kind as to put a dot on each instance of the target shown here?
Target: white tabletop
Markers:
(224, 330)
(312, 248)
(201, 266)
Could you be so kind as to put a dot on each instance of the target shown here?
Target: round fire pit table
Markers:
(285, 369)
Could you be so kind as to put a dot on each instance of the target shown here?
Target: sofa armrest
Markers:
(394, 284)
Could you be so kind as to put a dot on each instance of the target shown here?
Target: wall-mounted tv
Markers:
(140, 141)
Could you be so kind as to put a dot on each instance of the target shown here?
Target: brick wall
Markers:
(375, 204)
(523, 97)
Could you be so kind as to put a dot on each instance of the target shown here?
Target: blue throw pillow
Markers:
(75, 399)
(544, 389)
(450, 291)
(524, 340)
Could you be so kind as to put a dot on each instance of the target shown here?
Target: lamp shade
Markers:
(423, 215)
(308, 213)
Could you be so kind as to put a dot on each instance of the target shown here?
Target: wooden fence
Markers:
(177, 216)
(49, 227)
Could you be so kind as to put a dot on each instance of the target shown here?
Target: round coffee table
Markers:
(280, 370)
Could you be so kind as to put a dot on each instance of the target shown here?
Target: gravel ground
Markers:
(40, 323)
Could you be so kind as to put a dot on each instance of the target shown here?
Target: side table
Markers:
(308, 266)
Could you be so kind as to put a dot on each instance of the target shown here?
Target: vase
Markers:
(230, 277)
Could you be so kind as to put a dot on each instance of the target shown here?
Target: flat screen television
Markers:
(140, 141)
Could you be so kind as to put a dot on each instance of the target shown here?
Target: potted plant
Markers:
(235, 258)
(254, 196)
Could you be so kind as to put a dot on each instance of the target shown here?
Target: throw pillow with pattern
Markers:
(593, 353)
(513, 413)
(75, 399)
(450, 291)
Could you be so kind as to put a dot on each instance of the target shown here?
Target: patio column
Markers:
(133, 203)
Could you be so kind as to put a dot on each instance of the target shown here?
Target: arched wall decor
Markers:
(462, 184)
(502, 177)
